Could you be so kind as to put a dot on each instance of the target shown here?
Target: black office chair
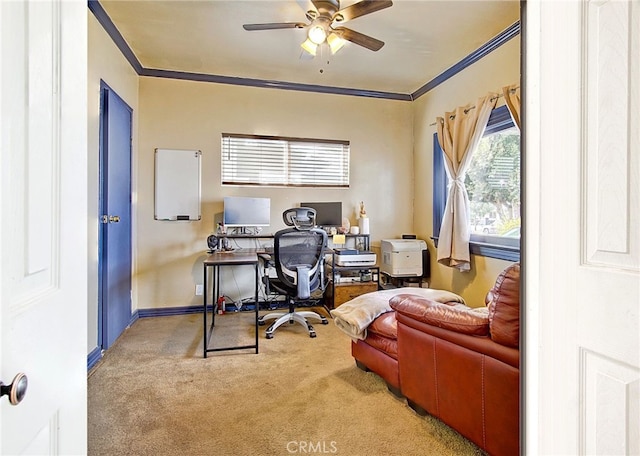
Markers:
(298, 257)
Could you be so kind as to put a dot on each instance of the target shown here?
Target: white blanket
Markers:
(353, 317)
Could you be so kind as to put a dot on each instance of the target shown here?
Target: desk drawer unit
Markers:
(346, 292)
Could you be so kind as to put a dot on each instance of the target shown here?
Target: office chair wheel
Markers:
(312, 334)
(261, 323)
(325, 321)
(269, 332)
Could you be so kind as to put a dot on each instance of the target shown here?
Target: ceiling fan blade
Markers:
(274, 26)
(360, 9)
(359, 38)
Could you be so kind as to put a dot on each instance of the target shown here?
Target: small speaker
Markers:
(212, 242)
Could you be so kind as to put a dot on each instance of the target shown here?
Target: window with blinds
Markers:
(278, 161)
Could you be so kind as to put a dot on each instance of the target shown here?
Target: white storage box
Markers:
(402, 257)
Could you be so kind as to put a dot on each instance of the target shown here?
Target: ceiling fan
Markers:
(324, 25)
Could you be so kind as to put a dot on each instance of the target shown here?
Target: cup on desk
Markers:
(355, 230)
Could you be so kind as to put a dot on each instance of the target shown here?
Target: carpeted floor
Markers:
(154, 394)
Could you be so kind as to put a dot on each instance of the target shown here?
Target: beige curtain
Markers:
(459, 133)
(512, 99)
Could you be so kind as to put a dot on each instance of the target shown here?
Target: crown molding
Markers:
(490, 46)
(108, 25)
(203, 77)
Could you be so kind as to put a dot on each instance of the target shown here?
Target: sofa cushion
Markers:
(385, 325)
(503, 302)
(453, 316)
(384, 344)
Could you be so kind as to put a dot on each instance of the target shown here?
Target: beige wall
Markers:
(192, 115)
(491, 73)
(106, 62)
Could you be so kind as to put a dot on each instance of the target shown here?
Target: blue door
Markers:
(115, 218)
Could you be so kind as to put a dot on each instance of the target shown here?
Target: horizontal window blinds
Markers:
(278, 161)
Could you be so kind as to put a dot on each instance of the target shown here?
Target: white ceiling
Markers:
(422, 39)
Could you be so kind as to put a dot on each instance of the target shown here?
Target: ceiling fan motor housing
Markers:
(326, 7)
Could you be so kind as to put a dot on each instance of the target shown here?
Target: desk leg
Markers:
(204, 311)
(208, 331)
(216, 293)
(215, 289)
(257, 305)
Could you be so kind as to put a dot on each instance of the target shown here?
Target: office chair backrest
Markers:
(299, 260)
(303, 218)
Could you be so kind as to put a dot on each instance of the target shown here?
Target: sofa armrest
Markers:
(503, 302)
(451, 316)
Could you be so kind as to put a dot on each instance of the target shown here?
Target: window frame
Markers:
(499, 247)
(345, 160)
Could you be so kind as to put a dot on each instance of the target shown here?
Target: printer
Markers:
(353, 257)
(404, 257)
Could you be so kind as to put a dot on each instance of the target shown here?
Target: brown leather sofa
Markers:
(456, 363)
(379, 351)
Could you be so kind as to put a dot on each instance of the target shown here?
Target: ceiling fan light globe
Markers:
(310, 47)
(317, 34)
(335, 42)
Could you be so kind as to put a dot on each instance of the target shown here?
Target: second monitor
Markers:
(327, 213)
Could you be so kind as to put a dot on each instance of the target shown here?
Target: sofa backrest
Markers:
(448, 315)
(503, 302)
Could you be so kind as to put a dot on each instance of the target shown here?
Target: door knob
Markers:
(110, 218)
(16, 390)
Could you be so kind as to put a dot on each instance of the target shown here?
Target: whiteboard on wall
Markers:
(177, 183)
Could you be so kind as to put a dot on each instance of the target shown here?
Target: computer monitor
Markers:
(241, 211)
(327, 213)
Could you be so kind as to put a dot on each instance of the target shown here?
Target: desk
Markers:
(245, 236)
(215, 261)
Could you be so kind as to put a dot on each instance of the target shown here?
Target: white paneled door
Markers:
(582, 252)
(43, 225)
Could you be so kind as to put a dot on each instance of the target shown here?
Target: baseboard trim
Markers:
(93, 358)
(184, 310)
(169, 311)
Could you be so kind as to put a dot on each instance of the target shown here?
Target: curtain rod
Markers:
(473, 107)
